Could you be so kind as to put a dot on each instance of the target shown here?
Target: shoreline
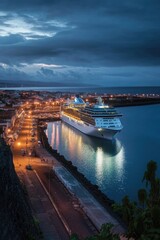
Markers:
(136, 104)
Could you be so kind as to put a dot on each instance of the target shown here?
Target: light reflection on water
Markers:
(107, 165)
(116, 167)
(101, 161)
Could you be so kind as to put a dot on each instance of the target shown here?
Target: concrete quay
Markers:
(91, 207)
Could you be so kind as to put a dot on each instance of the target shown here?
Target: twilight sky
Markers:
(71, 42)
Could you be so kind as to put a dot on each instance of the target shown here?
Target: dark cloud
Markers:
(47, 72)
(87, 33)
(12, 74)
(11, 39)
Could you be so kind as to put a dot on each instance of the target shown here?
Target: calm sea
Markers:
(110, 90)
(116, 167)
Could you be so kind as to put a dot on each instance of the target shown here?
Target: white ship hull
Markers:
(89, 129)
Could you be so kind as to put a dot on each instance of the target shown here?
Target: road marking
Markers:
(55, 207)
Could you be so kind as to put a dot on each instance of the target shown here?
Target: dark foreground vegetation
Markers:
(142, 218)
(16, 220)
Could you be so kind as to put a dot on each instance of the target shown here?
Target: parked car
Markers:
(23, 152)
(28, 167)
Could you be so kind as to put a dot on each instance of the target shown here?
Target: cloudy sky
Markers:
(71, 42)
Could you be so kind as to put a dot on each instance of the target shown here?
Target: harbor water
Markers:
(117, 167)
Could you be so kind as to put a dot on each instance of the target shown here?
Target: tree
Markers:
(142, 196)
(152, 183)
(143, 218)
(149, 174)
(105, 233)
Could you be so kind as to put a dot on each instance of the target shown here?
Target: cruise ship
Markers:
(98, 120)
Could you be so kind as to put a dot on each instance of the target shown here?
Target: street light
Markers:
(49, 180)
(26, 145)
(29, 158)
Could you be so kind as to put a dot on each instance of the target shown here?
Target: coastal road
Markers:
(43, 210)
(67, 205)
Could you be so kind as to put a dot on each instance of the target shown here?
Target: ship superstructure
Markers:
(97, 120)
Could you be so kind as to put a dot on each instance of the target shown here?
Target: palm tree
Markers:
(150, 173)
(142, 196)
(150, 178)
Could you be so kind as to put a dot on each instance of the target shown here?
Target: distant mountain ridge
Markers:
(54, 86)
(27, 83)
